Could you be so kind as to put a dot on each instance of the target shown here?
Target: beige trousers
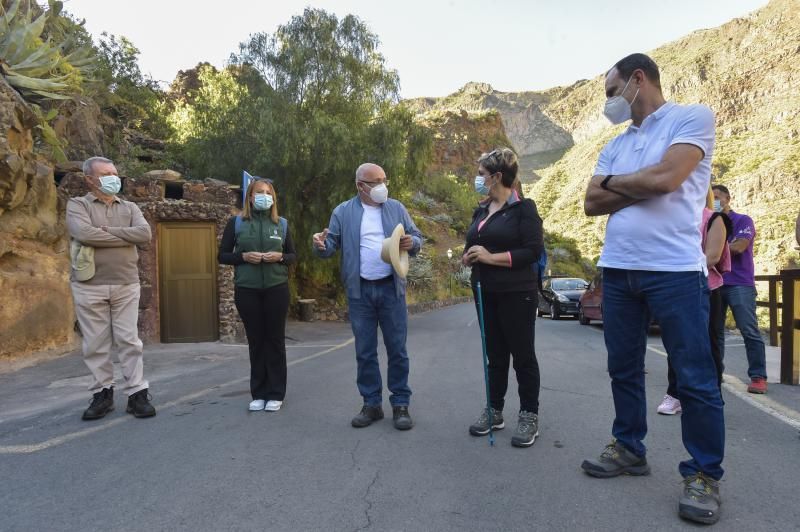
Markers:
(107, 312)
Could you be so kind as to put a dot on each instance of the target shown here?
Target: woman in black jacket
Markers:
(259, 245)
(503, 245)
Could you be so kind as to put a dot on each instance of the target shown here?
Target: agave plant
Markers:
(37, 68)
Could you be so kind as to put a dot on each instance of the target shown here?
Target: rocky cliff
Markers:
(536, 137)
(35, 303)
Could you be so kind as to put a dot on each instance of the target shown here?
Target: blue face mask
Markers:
(480, 185)
(717, 205)
(110, 184)
(262, 202)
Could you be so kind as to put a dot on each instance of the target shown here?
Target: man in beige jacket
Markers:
(105, 287)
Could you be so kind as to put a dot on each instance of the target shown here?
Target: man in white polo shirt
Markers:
(653, 180)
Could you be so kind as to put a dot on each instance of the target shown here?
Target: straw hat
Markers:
(392, 254)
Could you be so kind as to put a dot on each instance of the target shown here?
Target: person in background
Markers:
(797, 230)
(652, 180)
(107, 301)
(503, 245)
(375, 295)
(259, 246)
(716, 227)
(739, 292)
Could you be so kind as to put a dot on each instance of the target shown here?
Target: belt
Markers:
(386, 279)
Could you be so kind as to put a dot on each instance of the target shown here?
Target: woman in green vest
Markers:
(258, 244)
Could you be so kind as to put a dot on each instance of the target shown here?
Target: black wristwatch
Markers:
(604, 183)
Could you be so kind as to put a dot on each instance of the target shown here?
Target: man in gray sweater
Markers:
(104, 232)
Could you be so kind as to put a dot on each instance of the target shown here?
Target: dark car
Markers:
(591, 303)
(559, 296)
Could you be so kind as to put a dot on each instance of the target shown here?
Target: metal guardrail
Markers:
(787, 334)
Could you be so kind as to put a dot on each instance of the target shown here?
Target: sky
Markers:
(436, 46)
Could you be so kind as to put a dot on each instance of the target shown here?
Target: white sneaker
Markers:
(258, 404)
(669, 406)
(273, 406)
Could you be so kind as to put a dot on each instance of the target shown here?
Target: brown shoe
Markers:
(757, 385)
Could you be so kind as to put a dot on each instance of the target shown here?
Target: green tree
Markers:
(322, 102)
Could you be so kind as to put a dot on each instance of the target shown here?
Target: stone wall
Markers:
(35, 300)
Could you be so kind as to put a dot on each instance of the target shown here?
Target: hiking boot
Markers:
(402, 420)
(700, 499)
(102, 403)
(616, 460)
(139, 404)
(757, 385)
(367, 416)
(527, 429)
(481, 427)
(669, 406)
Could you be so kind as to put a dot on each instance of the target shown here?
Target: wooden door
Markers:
(188, 281)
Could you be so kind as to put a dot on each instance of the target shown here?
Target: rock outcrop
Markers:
(36, 304)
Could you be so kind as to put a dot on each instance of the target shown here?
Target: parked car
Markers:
(590, 306)
(559, 296)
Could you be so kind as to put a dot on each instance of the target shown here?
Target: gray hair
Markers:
(361, 170)
(89, 163)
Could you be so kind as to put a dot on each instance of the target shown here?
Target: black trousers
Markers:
(716, 326)
(509, 321)
(263, 312)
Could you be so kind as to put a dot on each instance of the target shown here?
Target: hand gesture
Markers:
(319, 239)
(272, 256)
(252, 257)
(406, 243)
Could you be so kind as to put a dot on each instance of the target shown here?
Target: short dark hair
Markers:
(502, 160)
(722, 188)
(627, 65)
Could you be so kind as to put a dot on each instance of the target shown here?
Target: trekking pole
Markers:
(485, 364)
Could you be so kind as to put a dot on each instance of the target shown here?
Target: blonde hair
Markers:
(710, 198)
(502, 160)
(247, 209)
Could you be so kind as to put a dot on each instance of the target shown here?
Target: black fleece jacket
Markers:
(517, 229)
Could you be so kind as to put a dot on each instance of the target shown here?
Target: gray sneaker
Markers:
(481, 427)
(700, 499)
(527, 429)
(616, 460)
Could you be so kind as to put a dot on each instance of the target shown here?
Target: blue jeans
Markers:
(679, 302)
(742, 301)
(380, 305)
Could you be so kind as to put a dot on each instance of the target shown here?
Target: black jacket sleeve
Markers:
(226, 255)
(531, 236)
(289, 254)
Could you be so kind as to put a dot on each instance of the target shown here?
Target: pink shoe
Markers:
(669, 406)
(757, 385)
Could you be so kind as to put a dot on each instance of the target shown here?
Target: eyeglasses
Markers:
(373, 184)
(263, 180)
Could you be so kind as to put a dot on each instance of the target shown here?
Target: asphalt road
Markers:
(206, 463)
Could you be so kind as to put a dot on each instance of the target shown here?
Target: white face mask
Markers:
(617, 108)
(110, 184)
(379, 193)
